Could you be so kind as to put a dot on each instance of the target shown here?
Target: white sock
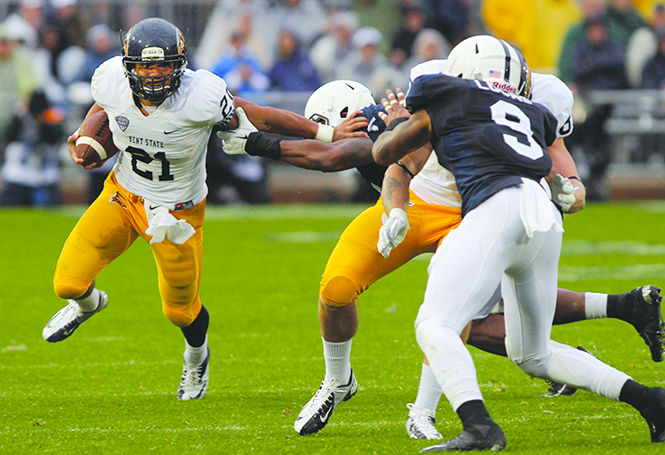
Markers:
(429, 390)
(90, 302)
(595, 305)
(338, 360)
(196, 354)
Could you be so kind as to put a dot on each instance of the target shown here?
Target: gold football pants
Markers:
(355, 263)
(108, 227)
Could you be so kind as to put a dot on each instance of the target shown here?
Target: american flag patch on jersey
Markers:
(495, 73)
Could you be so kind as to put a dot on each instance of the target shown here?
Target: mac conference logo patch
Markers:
(123, 122)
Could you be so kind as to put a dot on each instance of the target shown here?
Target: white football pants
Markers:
(491, 248)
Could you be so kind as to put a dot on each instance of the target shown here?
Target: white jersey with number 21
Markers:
(162, 155)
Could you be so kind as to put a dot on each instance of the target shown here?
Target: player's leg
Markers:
(102, 234)
(529, 292)
(464, 274)
(353, 266)
(179, 275)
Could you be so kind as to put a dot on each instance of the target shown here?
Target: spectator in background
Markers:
(622, 19)
(240, 69)
(367, 65)
(382, 15)
(335, 44)
(31, 169)
(643, 44)
(451, 17)
(17, 76)
(598, 64)
(101, 47)
(292, 71)
(428, 45)
(73, 20)
(413, 21)
(575, 36)
(307, 16)
(653, 75)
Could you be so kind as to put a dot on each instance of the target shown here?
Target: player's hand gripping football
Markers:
(350, 126)
(76, 158)
(395, 106)
(393, 231)
(235, 140)
(563, 192)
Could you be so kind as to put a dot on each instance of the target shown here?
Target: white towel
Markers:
(162, 224)
(537, 212)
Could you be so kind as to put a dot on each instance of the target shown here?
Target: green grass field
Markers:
(111, 387)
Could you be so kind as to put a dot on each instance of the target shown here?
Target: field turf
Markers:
(111, 387)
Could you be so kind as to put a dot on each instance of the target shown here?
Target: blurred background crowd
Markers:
(611, 53)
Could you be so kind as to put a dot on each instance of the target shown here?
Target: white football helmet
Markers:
(332, 102)
(493, 60)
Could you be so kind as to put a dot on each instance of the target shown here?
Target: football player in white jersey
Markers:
(356, 261)
(161, 115)
(510, 235)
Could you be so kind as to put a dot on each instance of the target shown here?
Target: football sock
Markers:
(429, 390)
(195, 333)
(618, 306)
(473, 412)
(596, 305)
(90, 302)
(634, 394)
(338, 360)
(196, 354)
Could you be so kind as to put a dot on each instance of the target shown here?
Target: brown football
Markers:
(95, 143)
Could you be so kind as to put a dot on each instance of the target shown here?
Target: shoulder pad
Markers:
(552, 93)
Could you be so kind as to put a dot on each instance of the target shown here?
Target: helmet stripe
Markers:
(506, 49)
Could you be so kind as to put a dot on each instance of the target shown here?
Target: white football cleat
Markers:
(421, 423)
(69, 318)
(194, 380)
(316, 413)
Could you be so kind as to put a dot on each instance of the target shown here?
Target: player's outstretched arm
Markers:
(564, 165)
(71, 140)
(402, 137)
(280, 121)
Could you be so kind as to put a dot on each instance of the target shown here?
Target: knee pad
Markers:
(181, 315)
(69, 287)
(339, 291)
(534, 364)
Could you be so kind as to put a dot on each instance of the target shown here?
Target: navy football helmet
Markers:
(150, 41)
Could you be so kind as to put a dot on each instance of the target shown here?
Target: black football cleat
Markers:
(654, 413)
(647, 318)
(486, 436)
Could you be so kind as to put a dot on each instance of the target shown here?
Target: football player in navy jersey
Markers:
(494, 139)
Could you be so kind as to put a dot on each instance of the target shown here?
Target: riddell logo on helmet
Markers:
(504, 86)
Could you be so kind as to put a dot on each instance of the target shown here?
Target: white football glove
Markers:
(235, 140)
(563, 192)
(393, 231)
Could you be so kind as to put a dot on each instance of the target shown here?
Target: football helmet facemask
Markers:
(154, 41)
(490, 59)
(332, 102)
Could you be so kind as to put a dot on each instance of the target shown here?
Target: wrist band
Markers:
(396, 122)
(263, 144)
(324, 133)
(403, 166)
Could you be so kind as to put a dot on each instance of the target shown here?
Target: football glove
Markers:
(393, 231)
(563, 192)
(235, 140)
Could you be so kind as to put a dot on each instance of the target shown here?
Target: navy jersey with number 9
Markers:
(489, 139)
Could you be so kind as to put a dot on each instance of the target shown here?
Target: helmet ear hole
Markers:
(335, 100)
